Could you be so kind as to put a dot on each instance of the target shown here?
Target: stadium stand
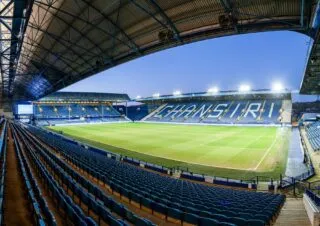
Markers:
(74, 111)
(309, 116)
(69, 107)
(313, 196)
(221, 112)
(40, 208)
(164, 196)
(48, 45)
(136, 112)
(3, 154)
(301, 108)
(313, 133)
(61, 179)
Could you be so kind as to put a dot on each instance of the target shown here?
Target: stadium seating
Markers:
(75, 113)
(74, 214)
(166, 197)
(138, 112)
(309, 116)
(221, 112)
(313, 133)
(313, 196)
(39, 204)
(89, 194)
(3, 154)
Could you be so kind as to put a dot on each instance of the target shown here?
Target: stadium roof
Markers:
(228, 94)
(84, 96)
(311, 80)
(57, 43)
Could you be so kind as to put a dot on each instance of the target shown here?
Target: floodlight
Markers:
(177, 93)
(156, 95)
(213, 90)
(277, 87)
(244, 88)
(138, 97)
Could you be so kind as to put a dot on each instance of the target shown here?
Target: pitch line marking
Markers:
(265, 154)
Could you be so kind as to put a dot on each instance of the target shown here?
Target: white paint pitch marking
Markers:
(267, 152)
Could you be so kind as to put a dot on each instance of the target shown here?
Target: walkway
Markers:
(293, 213)
(295, 165)
(16, 211)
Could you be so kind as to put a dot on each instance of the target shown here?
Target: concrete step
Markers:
(293, 213)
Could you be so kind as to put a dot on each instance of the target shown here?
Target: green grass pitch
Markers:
(227, 151)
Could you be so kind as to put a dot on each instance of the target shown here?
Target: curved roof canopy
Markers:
(64, 41)
(69, 97)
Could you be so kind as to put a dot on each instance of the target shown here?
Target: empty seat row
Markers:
(91, 195)
(73, 212)
(74, 110)
(313, 196)
(313, 134)
(40, 210)
(167, 195)
(3, 162)
(135, 191)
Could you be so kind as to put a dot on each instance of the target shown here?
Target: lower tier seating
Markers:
(313, 133)
(170, 198)
(3, 163)
(39, 206)
(93, 197)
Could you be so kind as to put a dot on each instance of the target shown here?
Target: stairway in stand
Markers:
(293, 213)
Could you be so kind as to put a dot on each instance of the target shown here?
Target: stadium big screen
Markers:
(24, 109)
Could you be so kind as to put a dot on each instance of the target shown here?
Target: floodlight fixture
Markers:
(244, 88)
(277, 87)
(156, 95)
(213, 90)
(177, 93)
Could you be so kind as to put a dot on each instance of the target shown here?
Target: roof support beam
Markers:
(167, 19)
(20, 19)
(109, 59)
(62, 40)
(68, 24)
(149, 13)
(6, 7)
(57, 55)
(6, 25)
(228, 8)
(134, 45)
(42, 4)
(302, 13)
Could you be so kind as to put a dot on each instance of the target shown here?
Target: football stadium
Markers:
(220, 156)
(171, 135)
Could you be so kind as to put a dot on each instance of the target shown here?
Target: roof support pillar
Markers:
(302, 13)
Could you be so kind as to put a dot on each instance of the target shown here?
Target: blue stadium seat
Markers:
(178, 199)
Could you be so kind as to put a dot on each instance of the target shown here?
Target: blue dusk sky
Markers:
(258, 59)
